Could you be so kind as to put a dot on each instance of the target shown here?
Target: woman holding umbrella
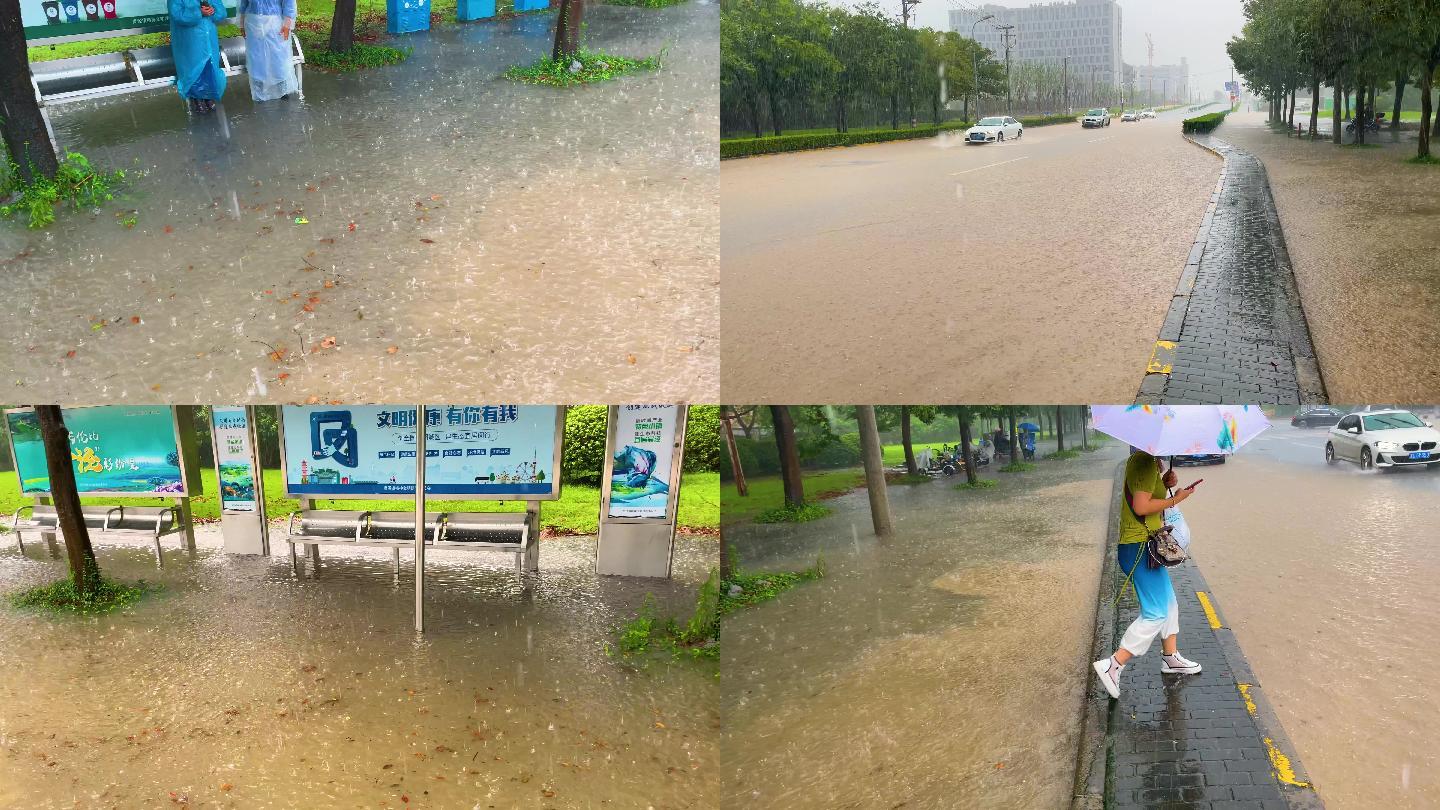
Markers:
(1153, 432)
(1145, 492)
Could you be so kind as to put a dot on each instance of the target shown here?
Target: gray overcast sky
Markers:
(1195, 29)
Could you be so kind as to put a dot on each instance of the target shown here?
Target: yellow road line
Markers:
(1210, 614)
(1162, 358)
(1245, 693)
(1281, 764)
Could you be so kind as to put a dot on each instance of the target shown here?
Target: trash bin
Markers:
(531, 5)
(404, 16)
(474, 9)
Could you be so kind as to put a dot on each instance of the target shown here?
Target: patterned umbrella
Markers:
(1181, 430)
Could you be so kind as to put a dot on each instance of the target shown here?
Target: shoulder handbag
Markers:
(1161, 547)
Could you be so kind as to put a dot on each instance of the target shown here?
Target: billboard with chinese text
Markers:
(116, 449)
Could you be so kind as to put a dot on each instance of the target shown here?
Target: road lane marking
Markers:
(989, 165)
(1101, 140)
(1281, 765)
(1245, 694)
(1209, 609)
(1162, 358)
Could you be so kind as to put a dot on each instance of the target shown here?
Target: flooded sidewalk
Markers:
(1363, 255)
(944, 667)
(241, 686)
(545, 243)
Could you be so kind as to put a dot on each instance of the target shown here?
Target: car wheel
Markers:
(1307, 424)
(999, 136)
(1329, 453)
(1367, 462)
(1018, 133)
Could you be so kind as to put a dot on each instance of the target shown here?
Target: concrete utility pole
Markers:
(1065, 82)
(975, 68)
(1150, 91)
(1005, 31)
(874, 469)
(905, 6)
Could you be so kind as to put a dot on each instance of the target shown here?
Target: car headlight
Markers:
(1387, 447)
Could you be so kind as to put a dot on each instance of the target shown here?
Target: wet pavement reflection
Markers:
(424, 210)
(1324, 575)
(942, 668)
(239, 686)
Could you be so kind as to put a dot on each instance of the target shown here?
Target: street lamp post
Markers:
(975, 70)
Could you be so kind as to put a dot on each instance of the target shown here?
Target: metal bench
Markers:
(153, 522)
(87, 78)
(514, 532)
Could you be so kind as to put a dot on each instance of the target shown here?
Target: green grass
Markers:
(1061, 455)
(646, 636)
(1426, 160)
(803, 513)
(906, 479)
(645, 3)
(755, 587)
(767, 492)
(595, 66)
(576, 512)
(1017, 466)
(980, 483)
(360, 56)
(60, 596)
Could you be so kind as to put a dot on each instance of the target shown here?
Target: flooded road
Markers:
(1363, 248)
(1318, 572)
(548, 244)
(930, 235)
(945, 667)
(239, 686)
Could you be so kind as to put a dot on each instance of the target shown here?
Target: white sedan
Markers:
(994, 128)
(1383, 439)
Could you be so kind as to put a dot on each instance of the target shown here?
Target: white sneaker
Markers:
(1178, 664)
(1109, 673)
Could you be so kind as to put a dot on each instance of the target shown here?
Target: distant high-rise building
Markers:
(1162, 82)
(1087, 31)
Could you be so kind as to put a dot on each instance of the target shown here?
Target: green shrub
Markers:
(60, 596)
(788, 514)
(594, 67)
(76, 182)
(702, 439)
(745, 588)
(584, 458)
(745, 147)
(1203, 123)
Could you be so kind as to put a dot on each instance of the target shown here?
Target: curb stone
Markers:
(1202, 364)
(1168, 750)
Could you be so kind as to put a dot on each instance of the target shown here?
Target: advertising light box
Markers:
(116, 449)
(471, 451)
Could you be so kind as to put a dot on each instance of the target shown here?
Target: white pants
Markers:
(1143, 631)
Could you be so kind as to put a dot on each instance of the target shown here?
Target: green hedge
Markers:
(702, 439)
(1204, 123)
(760, 457)
(745, 147)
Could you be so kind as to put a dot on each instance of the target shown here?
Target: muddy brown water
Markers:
(239, 686)
(456, 233)
(1325, 576)
(943, 668)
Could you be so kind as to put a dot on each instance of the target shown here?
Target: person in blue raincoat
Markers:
(196, 47)
(267, 25)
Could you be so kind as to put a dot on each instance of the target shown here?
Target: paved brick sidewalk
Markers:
(1199, 741)
(1235, 331)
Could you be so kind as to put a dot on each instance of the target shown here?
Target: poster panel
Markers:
(640, 474)
(234, 458)
(116, 450)
(484, 451)
(60, 20)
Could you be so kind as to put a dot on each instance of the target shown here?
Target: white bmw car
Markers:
(1382, 439)
(994, 128)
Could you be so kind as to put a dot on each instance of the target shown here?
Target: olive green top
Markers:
(1142, 474)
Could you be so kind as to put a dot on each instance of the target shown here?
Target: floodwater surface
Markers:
(425, 229)
(1325, 576)
(945, 667)
(239, 686)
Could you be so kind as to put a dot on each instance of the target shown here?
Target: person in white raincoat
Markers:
(267, 25)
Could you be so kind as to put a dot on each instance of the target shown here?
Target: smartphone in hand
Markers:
(1197, 483)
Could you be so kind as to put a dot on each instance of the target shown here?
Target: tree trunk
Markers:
(754, 114)
(569, 22)
(1347, 104)
(970, 474)
(1427, 81)
(789, 456)
(740, 486)
(1335, 128)
(874, 460)
(1084, 433)
(1400, 80)
(1059, 428)
(1360, 116)
(775, 124)
(26, 139)
(1014, 437)
(725, 571)
(1291, 124)
(342, 26)
(63, 493)
(910, 466)
(1314, 103)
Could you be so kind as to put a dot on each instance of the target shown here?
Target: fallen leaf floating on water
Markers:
(392, 350)
(169, 229)
(134, 319)
(312, 400)
(428, 241)
(630, 358)
(227, 787)
(70, 354)
(328, 343)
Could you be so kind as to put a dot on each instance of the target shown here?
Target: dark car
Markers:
(1316, 417)
(1198, 459)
